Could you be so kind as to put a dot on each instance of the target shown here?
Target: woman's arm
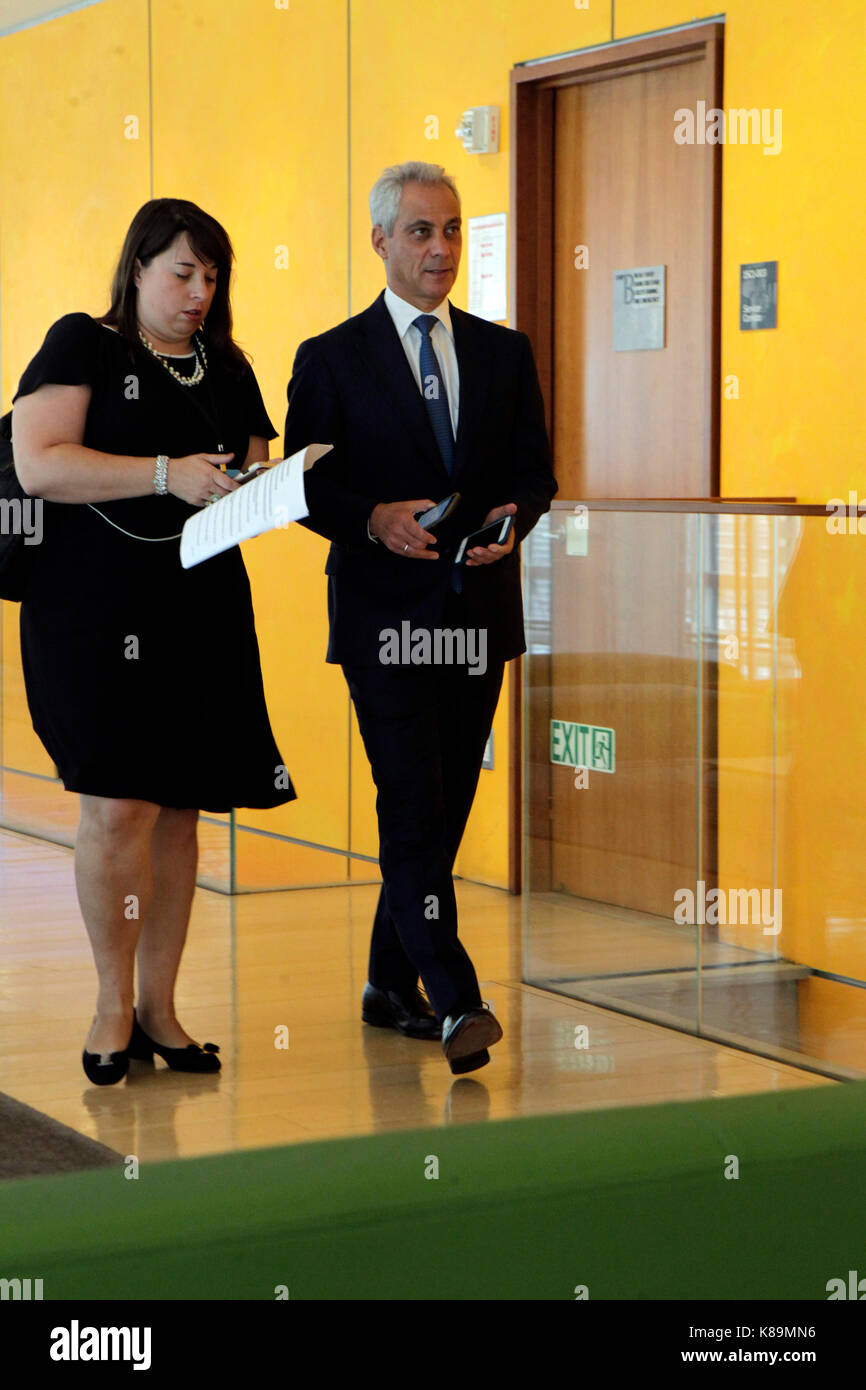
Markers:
(51, 462)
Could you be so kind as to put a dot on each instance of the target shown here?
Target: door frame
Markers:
(533, 88)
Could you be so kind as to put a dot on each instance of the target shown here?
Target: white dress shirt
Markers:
(403, 315)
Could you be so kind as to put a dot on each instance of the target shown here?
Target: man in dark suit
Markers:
(421, 400)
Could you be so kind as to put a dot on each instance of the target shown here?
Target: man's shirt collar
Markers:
(404, 314)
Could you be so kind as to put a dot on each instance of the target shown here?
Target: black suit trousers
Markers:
(424, 729)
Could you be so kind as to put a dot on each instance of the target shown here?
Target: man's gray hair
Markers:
(387, 191)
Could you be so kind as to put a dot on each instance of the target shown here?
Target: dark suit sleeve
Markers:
(315, 416)
(531, 483)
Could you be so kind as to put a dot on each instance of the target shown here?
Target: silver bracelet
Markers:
(160, 475)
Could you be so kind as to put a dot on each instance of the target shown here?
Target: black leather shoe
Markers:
(105, 1068)
(189, 1058)
(466, 1038)
(410, 1014)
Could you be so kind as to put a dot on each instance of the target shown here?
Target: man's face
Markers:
(422, 256)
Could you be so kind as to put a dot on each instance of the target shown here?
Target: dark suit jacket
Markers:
(353, 387)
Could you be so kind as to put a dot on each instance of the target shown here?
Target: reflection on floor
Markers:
(38, 805)
(744, 993)
(259, 966)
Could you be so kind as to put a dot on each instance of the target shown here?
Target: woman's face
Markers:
(174, 294)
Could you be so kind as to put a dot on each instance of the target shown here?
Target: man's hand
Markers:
(394, 524)
(488, 554)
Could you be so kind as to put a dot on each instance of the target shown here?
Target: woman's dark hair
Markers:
(153, 229)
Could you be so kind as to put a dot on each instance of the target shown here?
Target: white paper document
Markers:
(264, 504)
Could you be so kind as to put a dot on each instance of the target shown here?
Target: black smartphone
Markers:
(495, 533)
(434, 515)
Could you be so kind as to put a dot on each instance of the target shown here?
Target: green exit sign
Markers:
(582, 745)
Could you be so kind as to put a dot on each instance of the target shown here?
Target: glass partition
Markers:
(235, 856)
(694, 765)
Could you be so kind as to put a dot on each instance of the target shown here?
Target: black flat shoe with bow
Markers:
(189, 1058)
(105, 1068)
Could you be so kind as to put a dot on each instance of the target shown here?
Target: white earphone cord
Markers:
(132, 534)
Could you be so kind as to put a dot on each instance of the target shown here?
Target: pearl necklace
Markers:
(200, 362)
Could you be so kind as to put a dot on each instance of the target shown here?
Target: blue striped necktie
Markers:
(433, 391)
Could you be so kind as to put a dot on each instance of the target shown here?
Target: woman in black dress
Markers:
(143, 679)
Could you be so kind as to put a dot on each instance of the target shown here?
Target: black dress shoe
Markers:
(466, 1038)
(189, 1058)
(106, 1068)
(409, 1013)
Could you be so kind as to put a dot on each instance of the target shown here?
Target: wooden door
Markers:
(633, 423)
(601, 186)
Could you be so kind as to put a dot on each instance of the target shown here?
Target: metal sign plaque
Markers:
(639, 308)
(759, 294)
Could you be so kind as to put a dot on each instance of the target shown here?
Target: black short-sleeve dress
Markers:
(143, 679)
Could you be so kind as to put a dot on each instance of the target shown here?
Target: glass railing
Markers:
(695, 771)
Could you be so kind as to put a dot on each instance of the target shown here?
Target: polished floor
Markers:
(275, 979)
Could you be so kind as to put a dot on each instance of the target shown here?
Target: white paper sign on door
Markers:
(488, 267)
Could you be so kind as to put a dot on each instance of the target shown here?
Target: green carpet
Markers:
(632, 1203)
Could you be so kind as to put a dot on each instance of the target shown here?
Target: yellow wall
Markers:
(798, 427)
(60, 226)
(262, 93)
(250, 118)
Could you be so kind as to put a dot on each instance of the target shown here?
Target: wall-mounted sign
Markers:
(577, 532)
(582, 745)
(639, 308)
(487, 760)
(488, 267)
(759, 294)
